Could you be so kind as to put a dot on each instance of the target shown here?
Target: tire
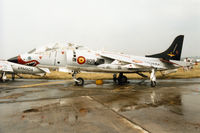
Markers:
(80, 83)
(153, 83)
(122, 80)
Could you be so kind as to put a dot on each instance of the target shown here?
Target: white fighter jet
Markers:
(72, 58)
(7, 67)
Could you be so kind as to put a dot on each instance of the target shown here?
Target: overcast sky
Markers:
(136, 27)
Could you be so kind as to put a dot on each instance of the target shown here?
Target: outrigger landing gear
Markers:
(78, 81)
(153, 78)
(121, 79)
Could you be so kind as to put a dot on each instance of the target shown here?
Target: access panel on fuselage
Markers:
(60, 58)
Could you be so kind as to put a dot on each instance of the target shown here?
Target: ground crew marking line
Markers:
(41, 84)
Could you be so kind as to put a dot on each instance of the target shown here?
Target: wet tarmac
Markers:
(57, 106)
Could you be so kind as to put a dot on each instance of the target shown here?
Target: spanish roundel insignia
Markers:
(81, 60)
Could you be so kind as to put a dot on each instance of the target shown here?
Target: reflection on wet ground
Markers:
(59, 106)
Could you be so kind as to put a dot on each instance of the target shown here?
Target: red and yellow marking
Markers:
(137, 61)
(21, 61)
(81, 60)
(171, 55)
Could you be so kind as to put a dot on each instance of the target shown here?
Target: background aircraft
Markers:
(7, 67)
(72, 58)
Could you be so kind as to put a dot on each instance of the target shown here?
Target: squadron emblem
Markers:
(171, 55)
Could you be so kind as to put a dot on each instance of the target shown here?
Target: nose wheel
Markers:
(78, 81)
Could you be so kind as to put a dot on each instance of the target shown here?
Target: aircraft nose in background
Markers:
(14, 59)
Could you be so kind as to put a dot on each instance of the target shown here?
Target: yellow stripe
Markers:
(171, 55)
(41, 84)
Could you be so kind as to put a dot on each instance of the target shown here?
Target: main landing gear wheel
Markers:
(79, 82)
(122, 79)
(115, 78)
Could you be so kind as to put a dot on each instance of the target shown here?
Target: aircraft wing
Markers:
(126, 59)
(178, 63)
(5, 67)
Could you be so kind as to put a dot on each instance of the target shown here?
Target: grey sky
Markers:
(135, 27)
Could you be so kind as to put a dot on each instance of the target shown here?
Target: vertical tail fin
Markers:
(173, 52)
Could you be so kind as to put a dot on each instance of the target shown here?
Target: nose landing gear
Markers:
(78, 81)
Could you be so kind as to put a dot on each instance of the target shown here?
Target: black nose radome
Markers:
(14, 59)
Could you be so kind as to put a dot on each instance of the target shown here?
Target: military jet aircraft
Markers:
(7, 67)
(74, 58)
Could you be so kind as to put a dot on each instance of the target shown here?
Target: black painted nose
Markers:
(14, 59)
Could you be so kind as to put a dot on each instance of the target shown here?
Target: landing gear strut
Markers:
(115, 78)
(121, 79)
(3, 77)
(78, 81)
(13, 76)
(153, 78)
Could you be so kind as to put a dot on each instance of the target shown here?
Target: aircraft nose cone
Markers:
(14, 59)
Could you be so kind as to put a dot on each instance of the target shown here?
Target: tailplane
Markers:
(173, 52)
